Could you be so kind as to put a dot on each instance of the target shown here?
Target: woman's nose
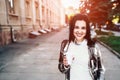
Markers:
(79, 30)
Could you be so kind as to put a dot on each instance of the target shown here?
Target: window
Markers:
(37, 10)
(43, 13)
(27, 8)
(11, 6)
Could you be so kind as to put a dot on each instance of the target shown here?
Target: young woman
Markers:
(77, 55)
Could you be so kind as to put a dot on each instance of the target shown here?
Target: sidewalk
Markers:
(37, 59)
(111, 63)
(32, 59)
(116, 33)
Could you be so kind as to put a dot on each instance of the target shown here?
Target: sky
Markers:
(73, 3)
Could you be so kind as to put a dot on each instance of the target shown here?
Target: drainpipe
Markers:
(11, 28)
(12, 31)
(6, 2)
(1, 34)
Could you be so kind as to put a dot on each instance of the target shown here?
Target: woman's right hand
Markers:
(65, 61)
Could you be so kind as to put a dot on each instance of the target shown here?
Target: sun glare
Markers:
(71, 3)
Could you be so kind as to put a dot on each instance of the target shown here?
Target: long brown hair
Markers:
(72, 25)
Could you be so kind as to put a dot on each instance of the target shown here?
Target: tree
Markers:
(115, 10)
(101, 11)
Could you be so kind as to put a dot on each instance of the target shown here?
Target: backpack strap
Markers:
(64, 48)
(92, 58)
(95, 63)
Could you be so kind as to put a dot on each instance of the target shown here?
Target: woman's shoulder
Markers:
(64, 44)
(65, 41)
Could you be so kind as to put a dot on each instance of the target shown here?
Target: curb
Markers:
(113, 51)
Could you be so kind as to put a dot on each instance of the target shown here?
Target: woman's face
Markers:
(79, 30)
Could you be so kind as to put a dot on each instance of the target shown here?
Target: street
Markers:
(37, 59)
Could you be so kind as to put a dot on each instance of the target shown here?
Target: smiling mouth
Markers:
(79, 35)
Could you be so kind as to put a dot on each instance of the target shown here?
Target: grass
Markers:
(112, 41)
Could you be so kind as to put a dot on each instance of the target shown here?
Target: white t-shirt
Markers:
(78, 58)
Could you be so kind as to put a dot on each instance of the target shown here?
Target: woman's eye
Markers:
(83, 28)
(76, 27)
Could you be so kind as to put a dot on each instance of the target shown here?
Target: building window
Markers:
(11, 6)
(27, 8)
(43, 13)
(37, 10)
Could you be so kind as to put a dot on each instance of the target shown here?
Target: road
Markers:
(37, 59)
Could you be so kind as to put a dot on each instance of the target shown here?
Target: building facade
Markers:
(19, 17)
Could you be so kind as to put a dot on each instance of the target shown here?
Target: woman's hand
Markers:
(65, 61)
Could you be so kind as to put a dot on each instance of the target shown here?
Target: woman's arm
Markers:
(62, 66)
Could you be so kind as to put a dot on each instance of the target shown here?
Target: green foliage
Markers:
(112, 41)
